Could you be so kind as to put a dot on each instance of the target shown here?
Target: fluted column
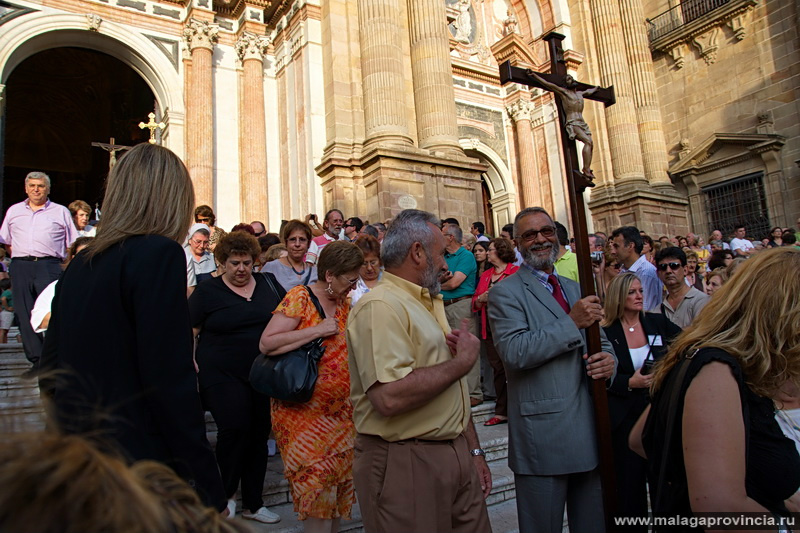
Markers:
(623, 131)
(520, 113)
(434, 96)
(643, 79)
(200, 37)
(382, 72)
(253, 147)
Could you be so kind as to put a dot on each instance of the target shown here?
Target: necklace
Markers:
(630, 327)
(300, 273)
(245, 292)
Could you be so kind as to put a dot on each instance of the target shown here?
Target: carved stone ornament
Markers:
(252, 46)
(708, 45)
(678, 55)
(520, 110)
(93, 21)
(200, 34)
(739, 24)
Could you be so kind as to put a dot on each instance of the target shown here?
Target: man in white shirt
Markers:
(740, 246)
(477, 230)
(626, 245)
(334, 220)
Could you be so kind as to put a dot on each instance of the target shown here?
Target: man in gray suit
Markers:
(537, 318)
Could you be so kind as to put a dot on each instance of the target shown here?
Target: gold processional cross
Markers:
(152, 126)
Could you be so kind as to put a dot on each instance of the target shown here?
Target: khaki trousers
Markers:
(418, 486)
(454, 313)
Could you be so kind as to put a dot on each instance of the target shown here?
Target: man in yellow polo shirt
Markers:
(418, 464)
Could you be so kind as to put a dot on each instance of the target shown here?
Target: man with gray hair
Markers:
(537, 319)
(37, 233)
(409, 394)
(457, 293)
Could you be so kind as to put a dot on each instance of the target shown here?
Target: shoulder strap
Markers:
(268, 277)
(308, 276)
(672, 408)
(315, 301)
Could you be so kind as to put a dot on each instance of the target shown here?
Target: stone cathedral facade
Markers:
(281, 108)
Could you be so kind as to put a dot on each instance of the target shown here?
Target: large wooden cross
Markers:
(577, 182)
(112, 150)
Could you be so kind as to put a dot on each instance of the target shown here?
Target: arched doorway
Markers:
(58, 102)
(499, 193)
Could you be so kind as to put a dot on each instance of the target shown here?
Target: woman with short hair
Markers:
(81, 211)
(228, 314)
(715, 279)
(501, 256)
(715, 390)
(292, 270)
(316, 438)
(371, 269)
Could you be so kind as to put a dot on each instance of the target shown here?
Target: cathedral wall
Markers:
(724, 79)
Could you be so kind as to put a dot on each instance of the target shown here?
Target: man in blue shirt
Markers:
(457, 293)
(626, 246)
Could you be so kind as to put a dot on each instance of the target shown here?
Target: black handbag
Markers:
(291, 376)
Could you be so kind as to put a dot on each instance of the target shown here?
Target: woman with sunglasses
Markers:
(605, 272)
(203, 214)
(316, 438)
(639, 339)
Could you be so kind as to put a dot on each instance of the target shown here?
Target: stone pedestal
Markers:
(655, 210)
(385, 181)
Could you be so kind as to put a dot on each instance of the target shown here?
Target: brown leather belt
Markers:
(454, 300)
(34, 258)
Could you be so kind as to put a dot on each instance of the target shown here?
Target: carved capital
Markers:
(200, 34)
(520, 110)
(93, 21)
(252, 46)
(708, 45)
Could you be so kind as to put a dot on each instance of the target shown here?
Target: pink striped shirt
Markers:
(47, 232)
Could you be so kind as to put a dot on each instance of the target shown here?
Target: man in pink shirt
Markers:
(37, 233)
(334, 219)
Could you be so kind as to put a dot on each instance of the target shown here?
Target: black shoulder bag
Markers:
(291, 376)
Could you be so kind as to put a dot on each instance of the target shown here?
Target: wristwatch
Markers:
(478, 451)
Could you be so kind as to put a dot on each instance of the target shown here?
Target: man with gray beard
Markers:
(537, 319)
(418, 463)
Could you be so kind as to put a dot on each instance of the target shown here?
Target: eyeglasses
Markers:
(261, 233)
(672, 266)
(350, 281)
(203, 220)
(199, 243)
(615, 265)
(375, 263)
(349, 226)
(546, 231)
(493, 249)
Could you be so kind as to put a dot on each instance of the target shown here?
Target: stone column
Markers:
(252, 123)
(382, 72)
(520, 113)
(643, 79)
(200, 37)
(434, 96)
(623, 131)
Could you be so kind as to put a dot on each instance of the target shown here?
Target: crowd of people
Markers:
(407, 311)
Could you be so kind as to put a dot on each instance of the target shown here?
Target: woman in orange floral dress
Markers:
(316, 438)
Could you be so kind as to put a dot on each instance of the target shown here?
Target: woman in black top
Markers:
(228, 314)
(725, 451)
(129, 382)
(639, 339)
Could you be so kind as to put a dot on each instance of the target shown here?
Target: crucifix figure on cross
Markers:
(112, 148)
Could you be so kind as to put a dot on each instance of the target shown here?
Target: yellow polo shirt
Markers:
(394, 329)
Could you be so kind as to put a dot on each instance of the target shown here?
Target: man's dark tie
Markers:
(558, 294)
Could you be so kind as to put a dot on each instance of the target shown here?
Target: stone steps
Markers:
(21, 408)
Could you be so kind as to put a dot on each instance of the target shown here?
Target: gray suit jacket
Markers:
(551, 421)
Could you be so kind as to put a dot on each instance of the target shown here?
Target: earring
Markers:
(329, 290)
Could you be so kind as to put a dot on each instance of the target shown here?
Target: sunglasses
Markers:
(547, 232)
(202, 220)
(672, 266)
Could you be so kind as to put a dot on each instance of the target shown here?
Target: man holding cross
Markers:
(572, 103)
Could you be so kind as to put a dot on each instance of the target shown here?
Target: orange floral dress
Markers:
(316, 438)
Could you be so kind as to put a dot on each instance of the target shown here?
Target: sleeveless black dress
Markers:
(772, 470)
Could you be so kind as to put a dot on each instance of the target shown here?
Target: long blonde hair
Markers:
(149, 192)
(754, 317)
(616, 294)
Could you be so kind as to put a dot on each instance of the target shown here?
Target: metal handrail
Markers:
(683, 13)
